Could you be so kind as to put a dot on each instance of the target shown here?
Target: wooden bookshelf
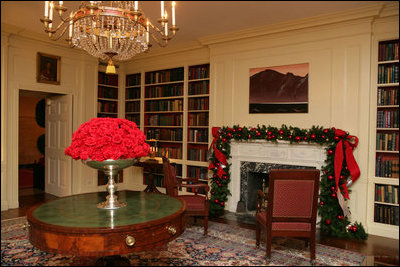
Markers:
(132, 97)
(198, 112)
(163, 110)
(385, 183)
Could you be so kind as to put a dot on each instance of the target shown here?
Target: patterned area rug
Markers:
(224, 245)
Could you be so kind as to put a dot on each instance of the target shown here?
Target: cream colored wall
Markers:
(78, 78)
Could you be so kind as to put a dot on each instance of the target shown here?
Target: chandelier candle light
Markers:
(108, 29)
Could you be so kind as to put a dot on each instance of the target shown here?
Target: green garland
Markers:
(333, 222)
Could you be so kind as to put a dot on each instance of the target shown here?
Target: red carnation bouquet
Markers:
(108, 138)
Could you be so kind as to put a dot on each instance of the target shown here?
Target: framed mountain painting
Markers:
(279, 89)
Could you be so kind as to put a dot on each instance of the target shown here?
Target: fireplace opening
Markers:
(256, 181)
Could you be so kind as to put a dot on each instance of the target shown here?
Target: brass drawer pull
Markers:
(130, 241)
(171, 230)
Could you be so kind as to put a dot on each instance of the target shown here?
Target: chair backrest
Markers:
(171, 183)
(293, 195)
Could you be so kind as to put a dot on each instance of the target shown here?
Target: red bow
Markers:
(218, 154)
(345, 147)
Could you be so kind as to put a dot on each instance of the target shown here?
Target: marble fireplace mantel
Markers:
(283, 152)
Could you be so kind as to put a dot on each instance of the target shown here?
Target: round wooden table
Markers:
(75, 226)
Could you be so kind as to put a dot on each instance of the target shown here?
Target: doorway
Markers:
(45, 124)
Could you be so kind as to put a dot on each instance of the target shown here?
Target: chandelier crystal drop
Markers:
(109, 30)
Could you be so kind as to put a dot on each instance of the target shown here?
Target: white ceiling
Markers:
(197, 19)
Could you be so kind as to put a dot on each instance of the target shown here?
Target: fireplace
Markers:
(255, 158)
(255, 176)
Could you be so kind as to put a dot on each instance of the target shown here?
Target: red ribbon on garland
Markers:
(218, 154)
(345, 148)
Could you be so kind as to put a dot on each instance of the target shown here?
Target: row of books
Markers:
(164, 120)
(387, 194)
(388, 51)
(132, 107)
(164, 76)
(132, 93)
(387, 118)
(133, 79)
(107, 92)
(170, 152)
(165, 134)
(164, 91)
(111, 107)
(133, 117)
(198, 119)
(164, 105)
(197, 172)
(388, 96)
(386, 214)
(199, 88)
(199, 72)
(387, 167)
(388, 73)
(107, 79)
(102, 115)
(387, 141)
(198, 103)
(197, 154)
(198, 135)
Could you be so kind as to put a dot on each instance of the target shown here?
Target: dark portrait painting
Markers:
(279, 89)
(48, 68)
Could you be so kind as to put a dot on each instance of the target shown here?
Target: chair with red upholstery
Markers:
(197, 204)
(291, 209)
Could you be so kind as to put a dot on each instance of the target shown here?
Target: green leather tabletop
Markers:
(81, 210)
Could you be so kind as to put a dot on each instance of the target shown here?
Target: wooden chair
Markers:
(291, 210)
(196, 204)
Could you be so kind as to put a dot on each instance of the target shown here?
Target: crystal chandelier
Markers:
(108, 29)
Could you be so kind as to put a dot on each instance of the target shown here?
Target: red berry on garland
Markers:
(222, 204)
(269, 137)
(340, 217)
(328, 222)
(290, 136)
(269, 132)
(330, 177)
(305, 138)
(333, 195)
(249, 136)
(281, 132)
(239, 135)
(212, 192)
(321, 203)
(273, 136)
(332, 188)
(336, 138)
(333, 128)
(258, 133)
(323, 136)
(313, 136)
(234, 130)
(325, 130)
(346, 168)
(330, 152)
(240, 129)
(342, 177)
(297, 138)
(224, 140)
(216, 201)
(229, 135)
(355, 228)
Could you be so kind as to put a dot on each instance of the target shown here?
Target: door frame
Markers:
(12, 137)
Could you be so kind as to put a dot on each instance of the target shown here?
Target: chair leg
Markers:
(258, 232)
(268, 243)
(205, 225)
(312, 249)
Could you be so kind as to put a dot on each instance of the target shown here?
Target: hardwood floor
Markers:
(380, 251)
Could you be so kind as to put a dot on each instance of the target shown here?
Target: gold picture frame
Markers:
(48, 68)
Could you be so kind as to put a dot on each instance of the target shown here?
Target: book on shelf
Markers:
(133, 79)
(197, 154)
(107, 79)
(388, 51)
(199, 87)
(164, 105)
(164, 76)
(132, 93)
(386, 214)
(198, 103)
(199, 72)
(167, 90)
(198, 119)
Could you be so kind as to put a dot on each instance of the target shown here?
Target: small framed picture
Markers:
(48, 68)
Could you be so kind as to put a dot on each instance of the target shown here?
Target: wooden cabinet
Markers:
(384, 181)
